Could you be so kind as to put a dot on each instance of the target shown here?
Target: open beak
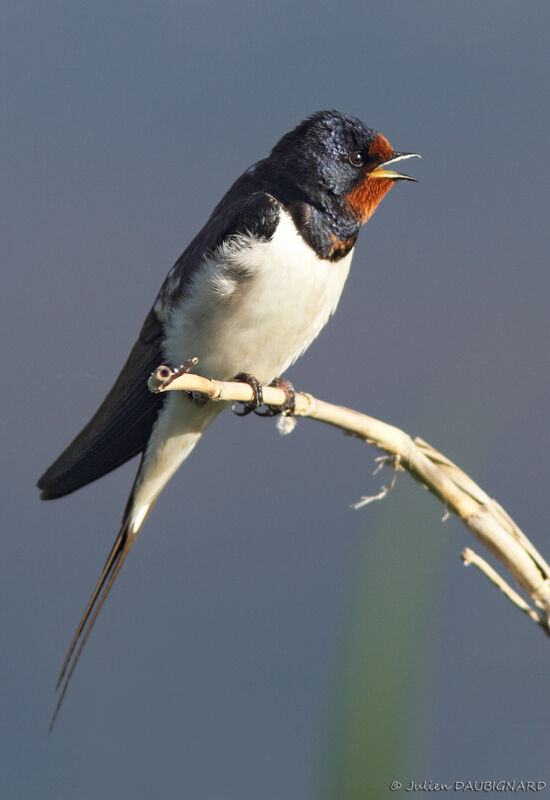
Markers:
(382, 171)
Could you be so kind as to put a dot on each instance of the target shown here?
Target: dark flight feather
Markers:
(120, 427)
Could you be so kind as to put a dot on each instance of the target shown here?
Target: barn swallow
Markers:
(248, 296)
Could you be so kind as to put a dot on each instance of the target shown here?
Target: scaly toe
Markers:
(256, 386)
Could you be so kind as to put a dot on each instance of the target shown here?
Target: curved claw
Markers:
(256, 386)
(289, 406)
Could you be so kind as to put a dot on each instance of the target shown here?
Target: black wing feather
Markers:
(120, 427)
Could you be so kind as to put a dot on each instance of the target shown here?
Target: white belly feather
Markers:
(255, 308)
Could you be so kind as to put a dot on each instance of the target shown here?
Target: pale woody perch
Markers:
(485, 518)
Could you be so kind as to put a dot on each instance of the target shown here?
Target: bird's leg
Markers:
(256, 386)
(288, 407)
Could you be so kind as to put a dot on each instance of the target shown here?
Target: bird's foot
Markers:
(288, 407)
(256, 386)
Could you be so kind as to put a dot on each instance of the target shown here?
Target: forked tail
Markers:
(117, 556)
(172, 439)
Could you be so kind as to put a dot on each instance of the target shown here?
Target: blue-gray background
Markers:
(263, 640)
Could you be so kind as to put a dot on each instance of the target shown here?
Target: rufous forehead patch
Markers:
(381, 147)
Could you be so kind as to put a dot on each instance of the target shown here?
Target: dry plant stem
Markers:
(457, 491)
(469, 557)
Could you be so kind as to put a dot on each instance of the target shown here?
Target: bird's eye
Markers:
(356, 159)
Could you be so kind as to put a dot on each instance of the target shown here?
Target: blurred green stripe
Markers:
(379, 730)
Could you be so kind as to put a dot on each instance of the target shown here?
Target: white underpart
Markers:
(175, 434)
(255, 306)
(251, 307)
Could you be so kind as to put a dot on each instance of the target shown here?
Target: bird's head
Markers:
(337, 162)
